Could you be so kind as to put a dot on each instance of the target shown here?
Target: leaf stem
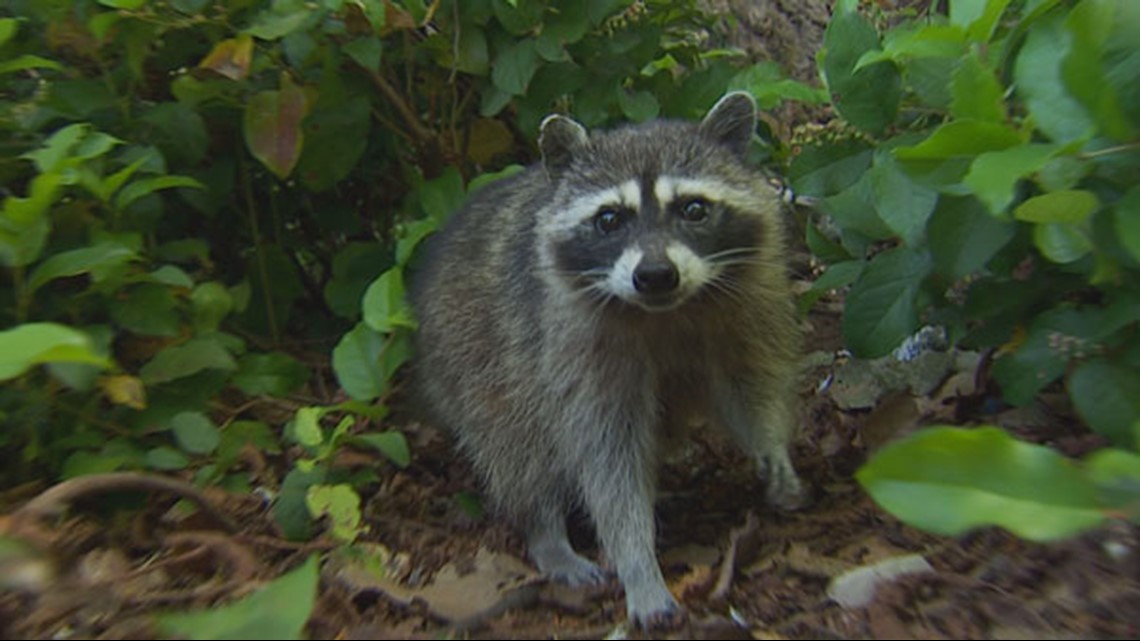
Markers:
(259, 249)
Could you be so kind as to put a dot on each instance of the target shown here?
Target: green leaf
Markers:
(472, 55)
(926, 41)
(281, 20)
(1037, 77)
(854, 209)
(1107, 396)
(1116, 474)
(30, 344)
(391, 444)
(210, 303)
(441, 196)
(838, 275)
(565, 27)
(881, 310)
(1061, 242)
(354, 267)
(365, 51)
(272, 126)
(307, 427)
(950, 481)
(341, 504)
(515, 66)
(8, 28)
(79, 261)
(1127, 221)
(290, 510)
(179, 131)
(1091, 24)
(195, 433)
(171, 276)
(976, 93)
(28, 61)
(1067, 206)
(384, 306)
(257, 616)
(140, 188)
(477, 183)
(961, 138)
(51, 156)
(978, 16)
(356, 362)
(1037, 361)
(901, 203)
(963, 237)
(518, 17)
(868, 98)
(336, 136)
(638, 106)
(274, 374)
(129, 5)
(147, 309)
(993, 175)
(191, 357)
(166, 459)
(826, 170)
(767, 84)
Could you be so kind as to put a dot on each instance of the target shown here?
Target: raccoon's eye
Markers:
(695, 210)
(608, 220)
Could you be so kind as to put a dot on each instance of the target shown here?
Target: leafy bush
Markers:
(983, 179)
(201, 195)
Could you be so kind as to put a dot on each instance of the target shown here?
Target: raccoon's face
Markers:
(680, 214)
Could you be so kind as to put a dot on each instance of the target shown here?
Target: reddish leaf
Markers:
(272, 126)
(230, 58)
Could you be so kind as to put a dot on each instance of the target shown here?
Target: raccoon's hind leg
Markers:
(550, 549)
(759, 415)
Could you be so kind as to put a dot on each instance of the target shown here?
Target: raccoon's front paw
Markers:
(656, 611)
(570, 568)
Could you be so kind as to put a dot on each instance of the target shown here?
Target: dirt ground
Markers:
(741, 569)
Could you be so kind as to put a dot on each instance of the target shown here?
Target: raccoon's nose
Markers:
(656, 277)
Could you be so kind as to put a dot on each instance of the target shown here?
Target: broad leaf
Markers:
(275, 374)
(1037, 77)
(230, 58)
(881, 308)
(384, 306)
(356, 362)
(391, 444)
(1066, 206)
(195, 433)
(867, 97)
(1107, 396)
(950, 481)
(260, 615)
(963, 237)
(79, 261)
(191, 357)
(993, 175)
(25, 346)
(272, 126)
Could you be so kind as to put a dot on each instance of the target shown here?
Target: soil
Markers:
(741, 569)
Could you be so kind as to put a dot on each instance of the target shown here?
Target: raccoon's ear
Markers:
(561, 140)
(731, 122)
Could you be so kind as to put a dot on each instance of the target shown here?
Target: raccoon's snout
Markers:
(656, 277)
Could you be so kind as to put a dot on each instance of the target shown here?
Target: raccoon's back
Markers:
(476, 296)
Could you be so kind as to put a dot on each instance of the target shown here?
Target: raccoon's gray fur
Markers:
(572, 313)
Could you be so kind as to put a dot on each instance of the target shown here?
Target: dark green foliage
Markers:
(994, 194)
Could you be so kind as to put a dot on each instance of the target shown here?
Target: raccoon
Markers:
(571, 315)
